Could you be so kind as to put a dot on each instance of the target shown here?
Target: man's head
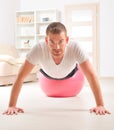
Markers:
(56, 38)
(56, 28)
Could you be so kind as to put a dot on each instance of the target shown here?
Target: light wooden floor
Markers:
(44, 113)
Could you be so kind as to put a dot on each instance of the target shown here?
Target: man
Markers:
(57, 51)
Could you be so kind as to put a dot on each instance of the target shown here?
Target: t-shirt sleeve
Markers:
(80, 53)
(34, 54)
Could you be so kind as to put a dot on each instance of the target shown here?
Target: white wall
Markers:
(107, 38)
(7, 20)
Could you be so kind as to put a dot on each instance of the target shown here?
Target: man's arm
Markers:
(95, 86)
(23, 73)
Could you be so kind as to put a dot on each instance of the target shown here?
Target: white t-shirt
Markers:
(41, 55)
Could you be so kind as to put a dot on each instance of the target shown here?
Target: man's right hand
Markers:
(13, 110)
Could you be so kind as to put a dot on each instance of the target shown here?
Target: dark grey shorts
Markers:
(68, 76)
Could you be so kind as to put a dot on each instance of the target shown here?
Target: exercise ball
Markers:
(62, 88)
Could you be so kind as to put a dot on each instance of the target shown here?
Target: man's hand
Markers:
(13, 110)
(99, 110)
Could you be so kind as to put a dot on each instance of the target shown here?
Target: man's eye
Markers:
(51, 42)
(61, 42)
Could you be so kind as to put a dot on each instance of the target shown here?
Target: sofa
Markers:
(10, 63)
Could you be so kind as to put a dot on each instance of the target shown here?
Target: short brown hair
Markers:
(56, 28)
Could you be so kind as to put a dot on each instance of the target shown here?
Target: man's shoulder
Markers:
(73, 43)
(40, 45)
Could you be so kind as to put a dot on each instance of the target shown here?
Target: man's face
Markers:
(57, 43)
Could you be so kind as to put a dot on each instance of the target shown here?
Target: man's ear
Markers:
(46, 40)
(67, 39)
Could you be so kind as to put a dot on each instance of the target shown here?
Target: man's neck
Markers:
(57, 59)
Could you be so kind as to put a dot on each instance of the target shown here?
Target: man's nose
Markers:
(57, 46)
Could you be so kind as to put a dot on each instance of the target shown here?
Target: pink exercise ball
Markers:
(62, 88)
